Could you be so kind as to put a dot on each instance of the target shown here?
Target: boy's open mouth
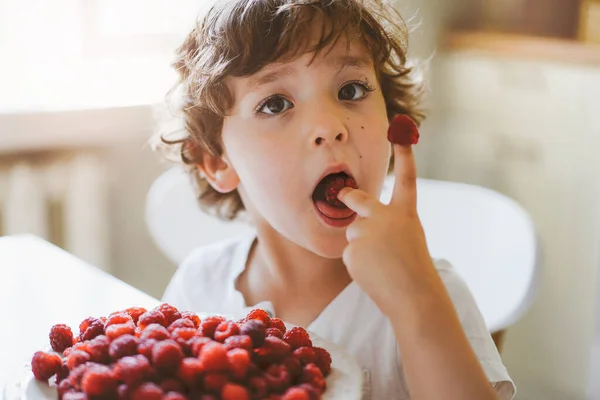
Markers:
(325, 195)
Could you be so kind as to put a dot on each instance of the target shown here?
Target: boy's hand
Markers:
(387, 254)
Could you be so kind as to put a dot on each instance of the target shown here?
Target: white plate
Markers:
(344, 382)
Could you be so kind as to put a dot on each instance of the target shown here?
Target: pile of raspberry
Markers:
(165, 354)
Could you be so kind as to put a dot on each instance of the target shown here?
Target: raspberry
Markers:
(171, 313)
(240, 341)
(97, 348)
(44, 365)
(214, 381)
(192, 317)
(256, 330)
(277, 377)
(135, 312)
(403, 131)
(209, 325)
(232, 391)
(132, 369)
(312, 375)
(260, 315)
(295, 393)
(273, 350)
(277, 323)
(239, 360)
(61, 337)
(214, 357)
(323, 360)
(152, 317)
(114, 331)
(183, 333)
(67, 351)
(76, 358)
(76, 375)
(63, 372)
(155, 331)
(99, 380)
(93, 327)
(306, 355)
(126, 345)
(275, 332)
(297, 337)
(63, 387)
(225, 330)
(312, 393)
(190, 371)
(167, 355)
(197, 343)
(147, 391)
(174, 395)
(181, 323)
(258, 387)
(118, 318)
(171, 385)
(123, 392)
(145, 347)
(294, 367)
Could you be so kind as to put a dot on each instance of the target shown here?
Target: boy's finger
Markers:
(359, 201)
(405, 172)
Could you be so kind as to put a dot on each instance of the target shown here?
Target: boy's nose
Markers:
(321, 139)
(328, 129)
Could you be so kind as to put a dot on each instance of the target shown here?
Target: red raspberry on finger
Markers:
(45, 365)
(403, 131)
(61, 337)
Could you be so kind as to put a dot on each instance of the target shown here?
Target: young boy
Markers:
(280, 98)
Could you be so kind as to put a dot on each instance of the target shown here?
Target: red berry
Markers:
(145, 347)
(118, 318)
(155, 331)
(258, 387)
(312, 375)
(63, 387)
(232, 391)
(225, 330)
(313, 394)
(240, 341)
(97, 348)
(192, 317)
(260, 315)
(272, 350)
(126, 345)
(403, 131)
(197, 343)
(135, 312)
(323, 360)
(151, 317)
(76, 375)
(167, 355)
(181, 323)
(171, 385)
(297, 337)
(123, 392)
(190, 371)
(184, 334)
(209, 325)
(61, 337)
(99, 380)
(132, 369)
(45, 365)
(295, 393)
(277, 323)
(214, 381)
(275, 332)
(214, 357)
(306, 355)
(239, 360)
(76, 358)
(147, 391)
(174, 395)
(277, 377)
(256, 330)
(93, 327)
(63, 372)
(294, 367)
(171, 313)
(114, 331)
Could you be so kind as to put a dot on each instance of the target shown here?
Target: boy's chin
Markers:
(332, 248)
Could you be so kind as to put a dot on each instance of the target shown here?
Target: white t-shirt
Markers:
(205, 282)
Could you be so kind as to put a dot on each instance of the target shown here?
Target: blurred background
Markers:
(514, 106)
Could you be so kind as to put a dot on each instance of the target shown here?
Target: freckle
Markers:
(362, 127)
(359, 156)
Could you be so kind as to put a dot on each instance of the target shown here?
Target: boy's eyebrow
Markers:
(269, 77)
(350, 61)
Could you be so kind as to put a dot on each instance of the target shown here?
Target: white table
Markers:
(42, 285)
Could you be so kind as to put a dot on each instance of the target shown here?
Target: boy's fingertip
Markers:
(344, 191)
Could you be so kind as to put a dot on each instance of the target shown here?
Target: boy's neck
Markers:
(299, 283)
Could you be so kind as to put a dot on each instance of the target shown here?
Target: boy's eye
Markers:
(274, 105)
(353, 91)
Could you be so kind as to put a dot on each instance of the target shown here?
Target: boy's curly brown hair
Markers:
(239, 37)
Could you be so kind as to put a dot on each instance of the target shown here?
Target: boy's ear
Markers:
(219, 173)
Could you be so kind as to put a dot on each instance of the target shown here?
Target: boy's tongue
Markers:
(325, 196)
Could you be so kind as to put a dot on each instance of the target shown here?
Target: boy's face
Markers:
(291, 124)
